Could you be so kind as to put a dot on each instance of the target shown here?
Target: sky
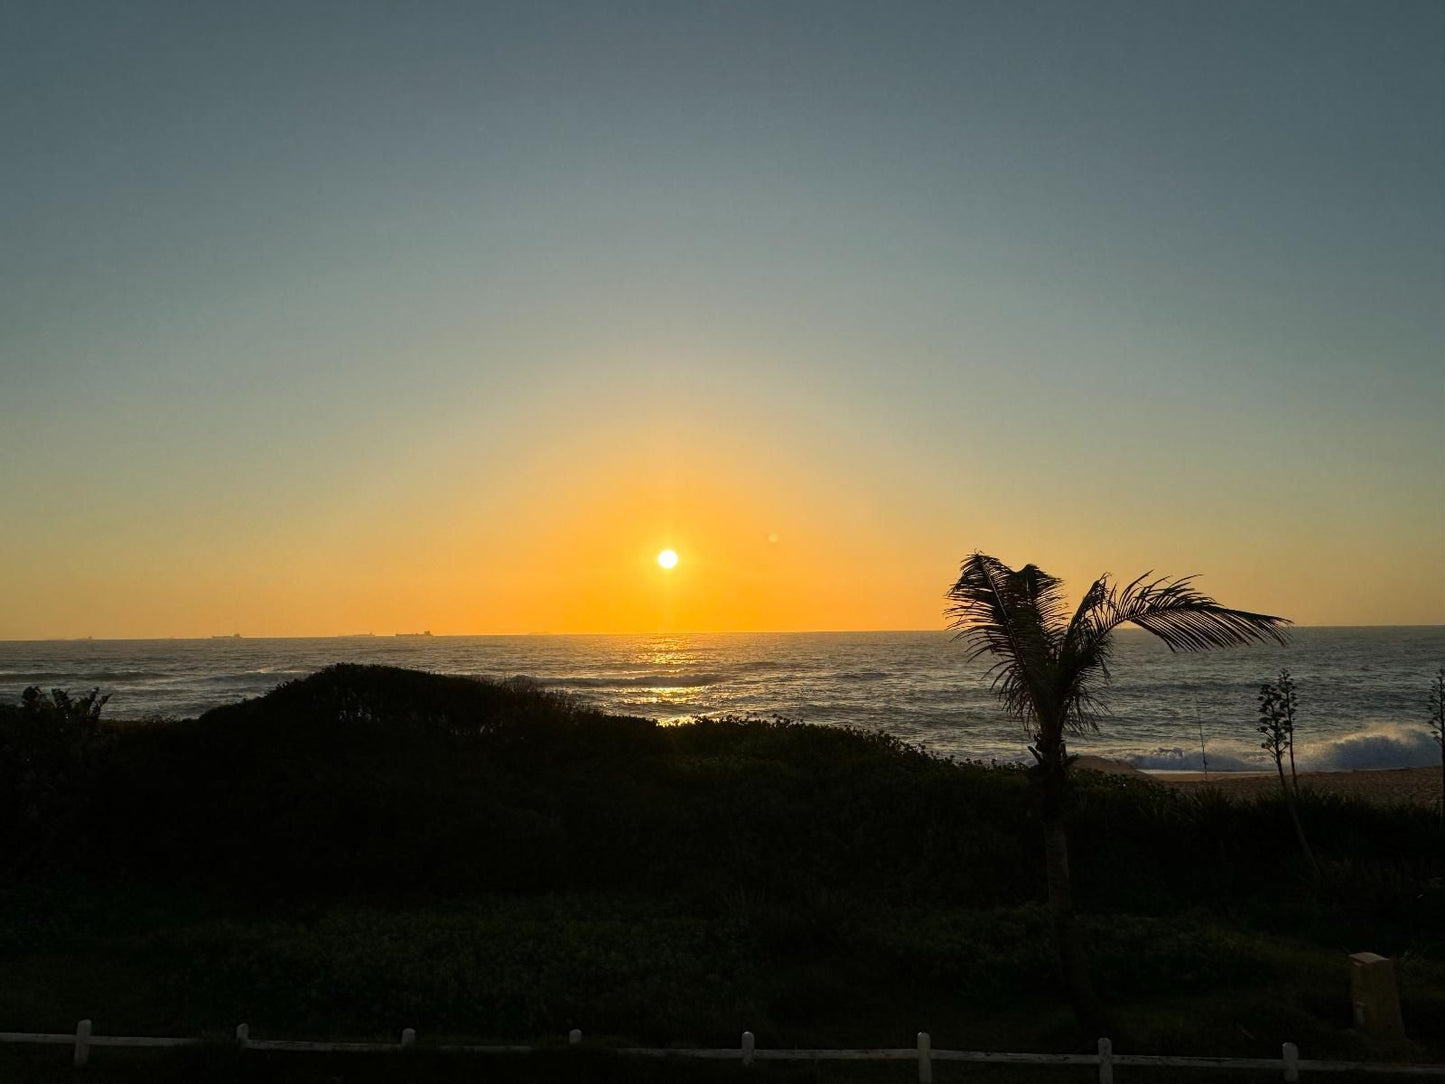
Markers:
(359, 317)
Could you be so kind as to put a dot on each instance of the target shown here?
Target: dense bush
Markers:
(383, 783)
(48, 744)
(370, 845)
(502, 967)
(369, 781)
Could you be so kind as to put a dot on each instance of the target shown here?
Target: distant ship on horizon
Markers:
(405, 635)
(227, 636)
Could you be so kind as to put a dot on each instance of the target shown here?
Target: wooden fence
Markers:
(1289, 1064)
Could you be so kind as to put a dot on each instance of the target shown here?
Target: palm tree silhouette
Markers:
(1050, 671)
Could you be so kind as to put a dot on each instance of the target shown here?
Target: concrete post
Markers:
(1375, 997)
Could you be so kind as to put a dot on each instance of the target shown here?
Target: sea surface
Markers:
(1363, 692)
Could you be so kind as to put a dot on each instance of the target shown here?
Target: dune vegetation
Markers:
(370, 848)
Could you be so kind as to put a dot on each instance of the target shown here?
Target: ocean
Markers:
(1362, 691)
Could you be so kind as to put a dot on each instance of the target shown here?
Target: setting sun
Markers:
(667, 559)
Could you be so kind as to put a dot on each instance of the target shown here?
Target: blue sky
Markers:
(1094, 285)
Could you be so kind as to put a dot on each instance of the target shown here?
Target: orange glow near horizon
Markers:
(780, 533)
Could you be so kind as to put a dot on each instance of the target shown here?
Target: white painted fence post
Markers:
(408, 1038)
(243, 1036)
(925, 1058)
(82, 1043)
(574, 1036)
(1291, 1062)
(1106, 1061)
(747, 1049)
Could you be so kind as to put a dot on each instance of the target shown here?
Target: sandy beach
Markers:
(1417, 786)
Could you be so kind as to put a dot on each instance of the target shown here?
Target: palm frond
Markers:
(1014, 617)
(1084, 657)
(1185, 619)
(1052, 676)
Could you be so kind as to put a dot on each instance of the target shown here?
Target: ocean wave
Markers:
(636, 681)
(37, 677)
(1381, 745)
(746, 666)
(1181, 759)
(1378, 745)
(261, 679)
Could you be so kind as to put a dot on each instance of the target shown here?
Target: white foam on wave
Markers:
(1378, 744)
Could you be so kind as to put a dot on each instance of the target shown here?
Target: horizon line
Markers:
(538, 635)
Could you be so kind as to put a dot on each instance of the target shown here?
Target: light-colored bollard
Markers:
(925, 1058)
(1106, 1061)
(1375, 997)
(243, 1036)
(747, 1049)
(82, 1043)
(408, 1038)
(574, 1036)
(1291, 1061)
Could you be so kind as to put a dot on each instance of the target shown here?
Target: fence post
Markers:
(243, 1036)
(925, 1058)
(408, 1038)
(1375, 996)
(1291, 1062)
(747, 1049)
(574, 1036)
(1106, 1061)
(82, 1043)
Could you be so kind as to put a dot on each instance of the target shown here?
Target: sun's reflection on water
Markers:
(667, 651)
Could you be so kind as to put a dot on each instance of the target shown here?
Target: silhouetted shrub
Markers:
(47, 746)
(382, 783)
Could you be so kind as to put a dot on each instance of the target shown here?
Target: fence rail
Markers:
(1288, 1064)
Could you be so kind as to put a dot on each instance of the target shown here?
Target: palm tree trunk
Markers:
(1073, 965)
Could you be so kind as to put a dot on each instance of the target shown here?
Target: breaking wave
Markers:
(1378, 745)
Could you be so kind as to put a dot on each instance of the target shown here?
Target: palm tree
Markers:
(1050, 669)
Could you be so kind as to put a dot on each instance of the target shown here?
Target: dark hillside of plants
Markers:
(368, 780)
(369, 845)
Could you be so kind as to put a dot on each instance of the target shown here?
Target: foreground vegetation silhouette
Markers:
(1050, 670)
(371, 848)
(1277, 708)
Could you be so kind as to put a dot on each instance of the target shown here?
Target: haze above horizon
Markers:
(456, 317)
(1128, 631)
